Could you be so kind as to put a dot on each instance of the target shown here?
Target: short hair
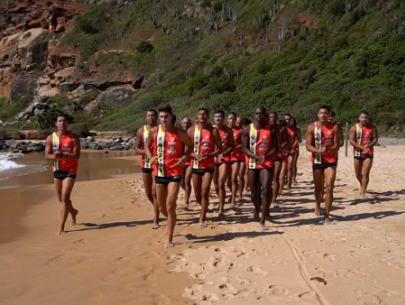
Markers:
(232, 113)
(166, 108)
(152, 110)
(273, 112)
(220, 112)
(364, 112)
(294, 121)
(246, 121)
(332, 113)
(282, 123)
(174, 118)
(288, 114)
(204, 109)
(325, 107)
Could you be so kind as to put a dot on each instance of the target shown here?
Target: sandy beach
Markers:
(114, 257)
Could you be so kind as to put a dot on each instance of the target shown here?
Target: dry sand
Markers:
(114, 257)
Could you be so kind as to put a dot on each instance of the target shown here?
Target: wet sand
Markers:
(114, 257)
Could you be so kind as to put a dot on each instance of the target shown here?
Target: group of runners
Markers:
(233, 152)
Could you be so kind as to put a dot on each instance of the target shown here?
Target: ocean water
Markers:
(12, 165)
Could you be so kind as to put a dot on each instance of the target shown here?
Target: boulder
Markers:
(116, 97)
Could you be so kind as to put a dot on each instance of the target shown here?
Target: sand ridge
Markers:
(114, 257)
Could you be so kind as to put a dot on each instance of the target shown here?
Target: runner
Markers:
(363, 138)
(291, 154)
(63, 148)
(322, 140)
(222, 160)
(260, 144)
(284, 164)
(278, 159)
(297, 149)
(206, 145)
(142, 137)
(244, 177)
(186, 179)
(165, 150)
(236, 158)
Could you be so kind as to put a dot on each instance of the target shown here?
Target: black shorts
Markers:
(147, 170)
(62, 175)
(259, 169)
(167, 180)
(362, 158)
(323, 166)
(202, 172)
(186, 166)
(278, 160)
(235, 161)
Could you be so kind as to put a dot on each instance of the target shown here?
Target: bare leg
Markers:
(205, 192)
(367, 164)
(247, 184)
(276, 182)
(242, 181)
(197, 185)
(330, 176)
(255, 187)
(295, 167)
(266, 176)
(67, 207)
(161, 194)
(358, 169)
(215, 180)
(149, 185)
(187, 184)
(290, 171)
(222, 174)
(234, 182)
(283, 172)
(318, 181)
(172, 193)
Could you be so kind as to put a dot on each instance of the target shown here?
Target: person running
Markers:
(285, 158)
(206, 146)
(222, 160)
(291, 154)
(260, 144)
(243, 177)
(146, 168)
(322, 140)
(165, 150)
(278, 159)
(186, 179)
(296, 155)
(236, 158)
(63, 148)
(363, 137)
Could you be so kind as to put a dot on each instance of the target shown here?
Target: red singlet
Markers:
(223, 134)
(168, 149)
(364, 136)
(64, 145)
(324, 137)
(259, 144)
(237, 136)
(203, 143)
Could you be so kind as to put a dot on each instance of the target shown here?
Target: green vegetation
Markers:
(236, 55)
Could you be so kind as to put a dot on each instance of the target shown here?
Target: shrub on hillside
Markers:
(144, 47)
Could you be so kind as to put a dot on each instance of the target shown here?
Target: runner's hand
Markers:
(260, 159)
(57, 155)
(200, 157)
(220, 157)
(322, 150)
(153, 161)
(366, 149)
(181, 161)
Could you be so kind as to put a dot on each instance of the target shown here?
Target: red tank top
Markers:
(364, 136)
(168, 149)
(324, 137)
(237, 137)
(145, 162)
(223, 134)
(64, 145)
(279, 155)
(259, 143)
(203, 143)
(292, 134)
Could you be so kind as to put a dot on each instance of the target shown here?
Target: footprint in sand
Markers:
(257, 270)
(228, 288)
(54, 259)
(200, 275)
(278, 291)
(307, 295)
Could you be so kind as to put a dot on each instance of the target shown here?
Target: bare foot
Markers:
(262, 225)
(276, 206)
(256, 216)
(317, 210)
(74, 215)
(155, 226)
(327, 221)
(169, 244)
(203, 224)
(62, 232)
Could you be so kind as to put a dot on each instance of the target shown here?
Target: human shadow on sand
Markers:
(94, 226)
(229, 236)
(338, 218)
